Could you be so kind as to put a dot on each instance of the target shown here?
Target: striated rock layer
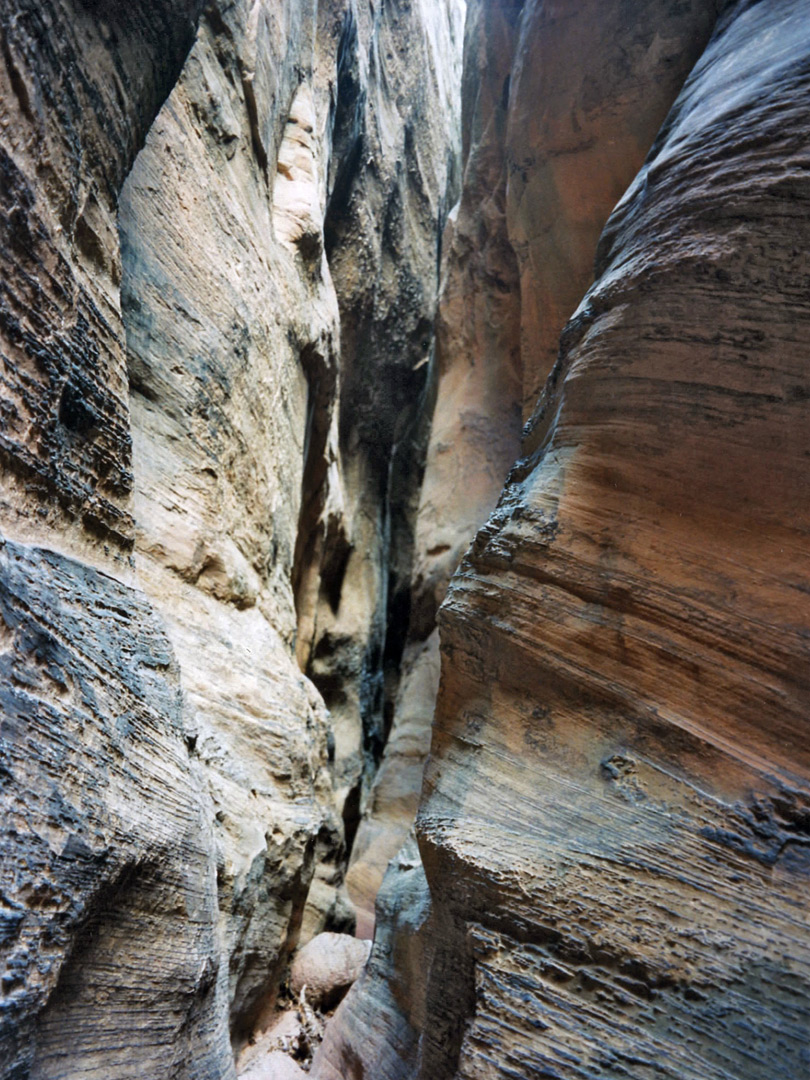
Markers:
(103, 825)
(190, 520)
(560, 105)
(614, 822)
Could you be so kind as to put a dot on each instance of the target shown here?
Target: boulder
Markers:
(327, 966)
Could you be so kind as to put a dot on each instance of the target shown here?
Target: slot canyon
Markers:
(405, 540)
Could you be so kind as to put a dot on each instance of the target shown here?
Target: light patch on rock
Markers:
(296, 215)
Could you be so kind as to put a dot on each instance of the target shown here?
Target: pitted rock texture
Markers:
(614, 819)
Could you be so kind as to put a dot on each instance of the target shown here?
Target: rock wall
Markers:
(559, 110)
(612, 843)
(220, 565)
(220, 305)
(614, 817)
(549, 145)
(78, 95)
(103, 823)
(191, 520)
(272, 312)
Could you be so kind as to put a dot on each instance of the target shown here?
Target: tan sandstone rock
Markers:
(170, 790)
(614, 816)
(599, 794)
(559, 109)
(326, 967)
(276, 1066)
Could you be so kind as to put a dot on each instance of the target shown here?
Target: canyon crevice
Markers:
(404, 533)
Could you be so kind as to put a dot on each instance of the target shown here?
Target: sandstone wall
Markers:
(279, 284)
(614, 818)
(613, 843)
(191, 521)
(220, 567)
(221, 306)
(559, 109)
(103, 823)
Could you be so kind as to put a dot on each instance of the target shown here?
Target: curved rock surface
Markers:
(78, 95)
(203, 780)
(326, 967)
(219, 575)
(220, 307)
(549, 145)
(614, 818)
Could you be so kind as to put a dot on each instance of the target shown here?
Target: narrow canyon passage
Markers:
(404, 539)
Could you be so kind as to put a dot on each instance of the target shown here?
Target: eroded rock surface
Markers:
(212, 535)
(614, 821)
(108, 871)
(560, 106)
(394, 177)
(204, 780)
(78, 94)
(219, 307)
(104, 820)
(326, 967)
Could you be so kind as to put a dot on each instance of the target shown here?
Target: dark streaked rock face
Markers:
(614, 818)
(80, 85)
(108, 871)
(176, 789)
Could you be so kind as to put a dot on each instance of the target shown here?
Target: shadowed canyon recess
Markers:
(405, 539)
